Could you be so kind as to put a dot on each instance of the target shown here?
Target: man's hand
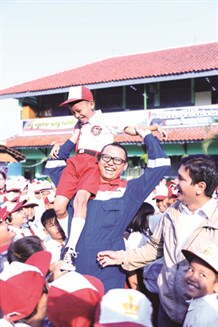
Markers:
(54, 151)
(162, 132)
(107, 258)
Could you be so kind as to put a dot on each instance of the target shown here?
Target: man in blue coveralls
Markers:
(115, 204)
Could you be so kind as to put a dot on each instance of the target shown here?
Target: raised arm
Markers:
(131, 130)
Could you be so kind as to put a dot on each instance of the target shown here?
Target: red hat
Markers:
(161, 194)
(124, 308)
(3, 213)
(73, 298)
(22, 284)
(14, 206)
(78, 93)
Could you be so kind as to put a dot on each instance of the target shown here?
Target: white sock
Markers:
(75, 231)
(64, 225)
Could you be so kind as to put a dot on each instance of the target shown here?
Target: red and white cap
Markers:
(13, 185)
(3, 213)
(30, 201)
(169, 192)
(161, 194)
(78, 93)
(50, 198)
(10, 207)
(21, 285)
(124, 308)
(14, 206)
(73, 298)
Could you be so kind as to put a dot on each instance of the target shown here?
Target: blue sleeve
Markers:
(158, 166)
(54, 168)
(65, 150)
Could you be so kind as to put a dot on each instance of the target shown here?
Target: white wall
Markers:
(10, 123)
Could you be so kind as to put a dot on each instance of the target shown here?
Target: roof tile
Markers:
(188, 59)
(175, 135)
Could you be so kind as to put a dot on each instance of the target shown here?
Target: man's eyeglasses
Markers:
(116, 161)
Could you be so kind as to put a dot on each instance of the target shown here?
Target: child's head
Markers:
(140, 221)
(22, 249)
(52, 226)
(23, 288)
(202, 275)
(16, 214)
(81, 103)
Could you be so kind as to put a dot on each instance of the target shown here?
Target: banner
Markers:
(185, 116)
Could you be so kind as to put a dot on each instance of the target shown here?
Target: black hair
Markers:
(139, 222)
(23, 248)
(202, 169)
(113, 144)
(48, 215)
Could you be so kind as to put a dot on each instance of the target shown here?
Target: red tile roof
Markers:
(175, 135)
(187, 59)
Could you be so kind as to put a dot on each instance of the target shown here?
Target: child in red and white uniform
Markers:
(54, 241)
(80, 178)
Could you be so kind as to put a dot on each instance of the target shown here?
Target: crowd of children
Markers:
(36, 289)
(59, 298)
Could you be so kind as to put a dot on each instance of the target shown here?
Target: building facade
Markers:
(175, 88)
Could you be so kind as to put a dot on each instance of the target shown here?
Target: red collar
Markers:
(112, 185)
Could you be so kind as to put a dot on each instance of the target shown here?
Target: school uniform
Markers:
(54, 247)
(202, 312)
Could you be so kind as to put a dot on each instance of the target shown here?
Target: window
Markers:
(175, 93)
(109, 99)
(135, 96)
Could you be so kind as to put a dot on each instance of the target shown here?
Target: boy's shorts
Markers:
(81, 173)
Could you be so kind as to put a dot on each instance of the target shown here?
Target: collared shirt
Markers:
(188, 221)
(202, 312)
(96, 133)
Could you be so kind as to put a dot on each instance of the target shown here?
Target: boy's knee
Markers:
(60, 210)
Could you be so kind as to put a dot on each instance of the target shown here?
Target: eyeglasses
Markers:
(116, 161)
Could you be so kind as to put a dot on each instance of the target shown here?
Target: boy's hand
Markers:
(130, 130)
(56, 271)
(54, 151)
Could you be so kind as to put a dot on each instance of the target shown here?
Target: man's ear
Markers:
(92, 105)
(98, 157)
(201, 186)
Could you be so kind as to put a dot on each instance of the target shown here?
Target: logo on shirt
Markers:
(96, 130)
